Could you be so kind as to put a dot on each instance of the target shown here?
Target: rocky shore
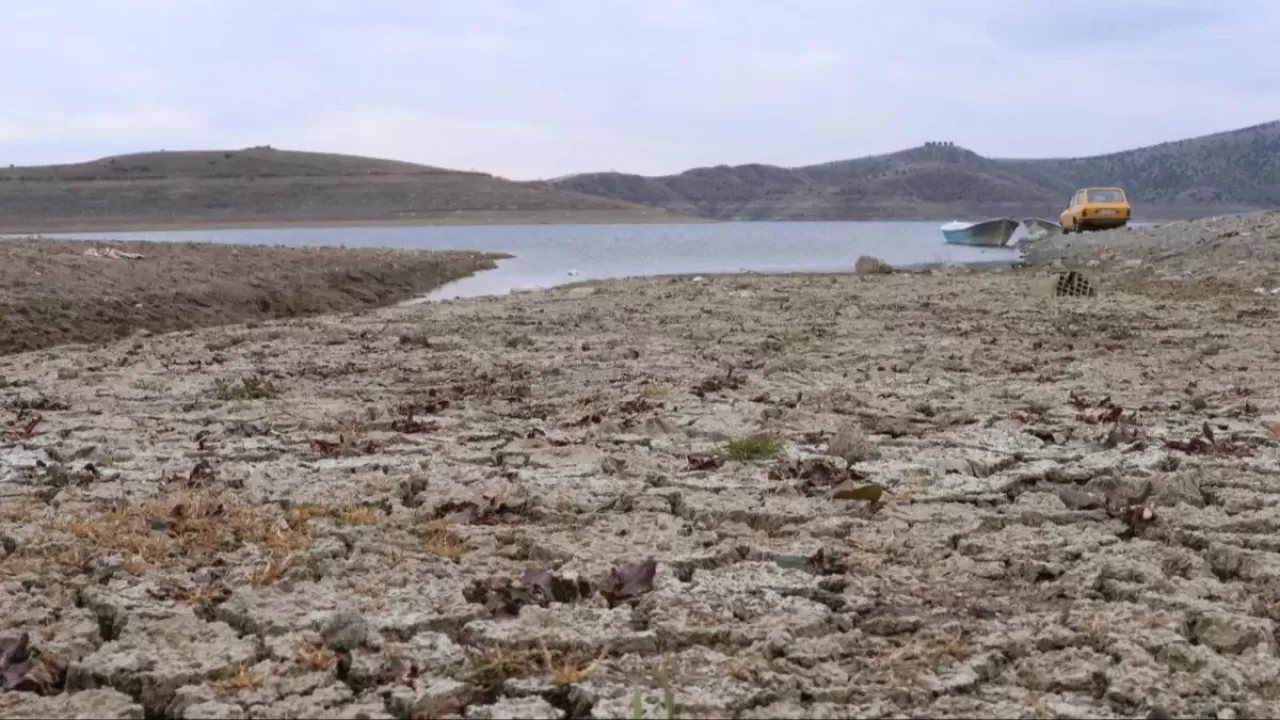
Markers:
(945, 494)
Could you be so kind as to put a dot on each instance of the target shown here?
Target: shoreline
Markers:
(467, 219)
(55, 293)
(1030, 253)
(460, 219)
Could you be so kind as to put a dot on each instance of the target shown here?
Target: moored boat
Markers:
(987, 233)
(1039, 227)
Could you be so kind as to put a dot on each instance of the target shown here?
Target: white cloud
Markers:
(558, 86)
(390, 40)
(788, 61)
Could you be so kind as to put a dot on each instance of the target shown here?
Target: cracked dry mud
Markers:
(310, 518)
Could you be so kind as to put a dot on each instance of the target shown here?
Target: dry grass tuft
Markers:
(566, 670)
(499, 664)
(253, 387)
(299, 515)
(444, 542)
(755, 447)
(316, 658)
(272, 568)
(359, 515)
(496, 665)
(185, 529)
(242, 676)
(352, 439)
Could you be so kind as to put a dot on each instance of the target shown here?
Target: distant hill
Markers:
(265, 186)
(262, 161)
(1230, 171)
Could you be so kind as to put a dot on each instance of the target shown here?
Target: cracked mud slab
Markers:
(325, 517)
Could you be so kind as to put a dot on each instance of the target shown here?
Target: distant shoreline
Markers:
(455, 219)
(462, 219)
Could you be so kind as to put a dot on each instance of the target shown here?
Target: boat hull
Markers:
(1039, 227)
(989, 233)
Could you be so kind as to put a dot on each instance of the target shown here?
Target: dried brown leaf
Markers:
(704, 461)
(1208, 433)
(25, 669)
(629, 581)
(870, 492)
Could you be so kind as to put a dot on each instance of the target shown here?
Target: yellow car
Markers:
(1096, 208)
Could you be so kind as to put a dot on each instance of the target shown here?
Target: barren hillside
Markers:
(1236, 170)
(268, 186)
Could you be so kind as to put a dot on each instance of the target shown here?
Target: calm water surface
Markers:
(547, 255)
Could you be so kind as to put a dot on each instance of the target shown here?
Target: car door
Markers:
(1068, 218)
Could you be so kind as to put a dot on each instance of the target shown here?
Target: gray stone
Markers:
(101, 704)
(344, 631)
(213, 711)
(1230, 633)
(868, 265)
(153, 658)
(532, 708)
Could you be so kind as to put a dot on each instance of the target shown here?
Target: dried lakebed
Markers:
(449, 509)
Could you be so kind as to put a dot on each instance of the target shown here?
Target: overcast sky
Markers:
(540, 88)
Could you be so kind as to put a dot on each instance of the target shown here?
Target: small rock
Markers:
(887, 625)
(894, 427)
(102, 568)
(97, 703)
(1230, 634)
(344, 631)
(612, 465)
(533, 708)
(1076, 499)
(952, 466)
(439, 698)
(868, 265)
(214, 711)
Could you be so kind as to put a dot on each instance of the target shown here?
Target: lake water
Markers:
(548, 255)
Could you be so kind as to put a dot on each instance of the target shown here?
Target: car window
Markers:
(1106, 196)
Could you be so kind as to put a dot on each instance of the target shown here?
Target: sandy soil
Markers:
(1054, 507)
(52, 292)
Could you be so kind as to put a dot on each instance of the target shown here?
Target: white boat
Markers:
(986, 233)
(1039, 227)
